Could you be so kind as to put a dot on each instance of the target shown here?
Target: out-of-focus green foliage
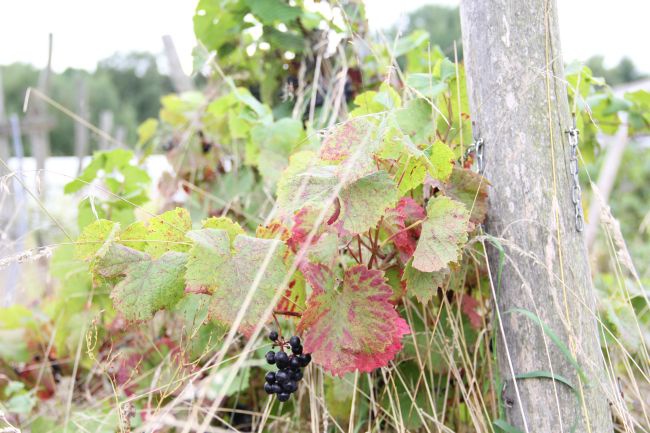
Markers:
(624, 72)
(443, 25)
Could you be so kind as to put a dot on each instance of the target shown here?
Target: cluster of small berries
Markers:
(284, 382)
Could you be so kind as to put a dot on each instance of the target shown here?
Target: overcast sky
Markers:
(86, 31)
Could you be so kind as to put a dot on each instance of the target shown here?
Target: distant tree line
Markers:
(129, 85)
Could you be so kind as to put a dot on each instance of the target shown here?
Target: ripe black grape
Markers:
(295, 363)
(296, 375)
(290, 386)
(283, 396)
(270, 357)
(281, 359)
(270, 377)
(294, 341)
(276, 388)
(268, 388)
(281, 376)
(297, 350)
(273, 336)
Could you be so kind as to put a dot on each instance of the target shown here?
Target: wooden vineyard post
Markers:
(519, 106)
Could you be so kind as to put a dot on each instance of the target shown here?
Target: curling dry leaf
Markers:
(229, 274)
(145, 285)
(353, 326)
(443, 233)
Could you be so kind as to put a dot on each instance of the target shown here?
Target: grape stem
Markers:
(286, 313)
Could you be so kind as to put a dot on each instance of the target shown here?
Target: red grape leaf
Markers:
(469, 306)
(352, 326)
(229, 274)
(351, 145)
(406, 212)
(444, 231)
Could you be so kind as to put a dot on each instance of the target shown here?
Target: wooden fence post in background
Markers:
(37, 118)
(180, 80)
(106, 119)
(80, 130)
(4, 130)
(519, 105)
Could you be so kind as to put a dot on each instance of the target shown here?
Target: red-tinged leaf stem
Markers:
(287, 313)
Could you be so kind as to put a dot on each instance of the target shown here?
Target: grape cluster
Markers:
(284, 382)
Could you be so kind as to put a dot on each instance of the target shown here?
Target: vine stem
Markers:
(415, 224)
(285, 313)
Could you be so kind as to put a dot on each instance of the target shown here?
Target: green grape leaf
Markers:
(270, 11)
(426, 85)
(353, 326)
(469, 188)
(275, 143)
(230, 274)
(415, 120)
(372, 102)
(443, 233)
(135, 236)
(147, 130)
(304, 183)
(166, 232)
(411, 173)
(423, 285)
(93, 237)
(365, 201)
(224, 223)
(145, 285)
(442, 161)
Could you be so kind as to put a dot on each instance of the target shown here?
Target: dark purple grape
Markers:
(268, 388)
(276, 388)
(281, 376)
(290, 386)
(270, 377)
(297, 350)
(307, 359)
(283, 396)
(296, 375)
(281, 359)
(270, 357)
(295, 363)
(294, 341)
(273, 336)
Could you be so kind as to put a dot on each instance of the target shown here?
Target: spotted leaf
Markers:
(444, 231)
(144, 284)
(230, 274)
